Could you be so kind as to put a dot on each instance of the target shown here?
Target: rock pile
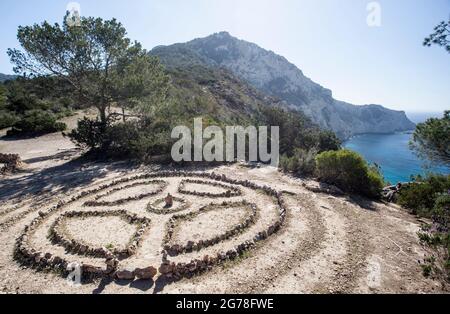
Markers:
(12, 163)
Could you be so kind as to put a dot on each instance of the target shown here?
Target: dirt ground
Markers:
(328, 244)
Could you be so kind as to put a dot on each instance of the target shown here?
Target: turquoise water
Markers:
(392, 153)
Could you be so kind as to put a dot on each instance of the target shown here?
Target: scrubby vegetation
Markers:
(302, 162)
(37, 122)
(199, 91)
(350, 172)
(431, 140)
(96, 65)
(140, 139)
(139, 102)
(32, 107)
(430, 197)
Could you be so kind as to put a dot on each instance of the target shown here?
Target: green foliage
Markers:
(3, 96)
(7, 119)
(420, 196)
(21, 97)
(297, 131)
(350, 172)
(431, 139)
(36, 122)
(430, 197)
(100, 66)
(302, 162)
(89, 134)
(139, 139)
(440, 37)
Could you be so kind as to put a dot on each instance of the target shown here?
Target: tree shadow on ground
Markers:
(160, 283)
(79, 172)
(364, 202)
(58, 179)
(64, 155)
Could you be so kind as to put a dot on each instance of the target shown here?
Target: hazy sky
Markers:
(329, 40)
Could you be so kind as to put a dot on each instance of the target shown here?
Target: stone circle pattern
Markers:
(59, 236)
(173, 262)
(230, 190)
(97, 200)
(190, 246)
(153, 207)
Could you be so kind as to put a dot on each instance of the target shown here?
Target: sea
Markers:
(392, 153)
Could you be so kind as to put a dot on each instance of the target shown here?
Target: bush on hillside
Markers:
(302, 162)
(37, 122)
(421, 195)
(350, 172)
(88, 134)
(430, 197)
(297, 131)
(7, 119)
(139, 139)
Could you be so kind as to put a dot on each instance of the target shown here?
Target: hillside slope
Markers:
(276, 76)
(6, 77)
(329, 244)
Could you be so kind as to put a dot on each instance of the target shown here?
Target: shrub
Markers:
(350, 172)
(132, 139)
(430, 197)
(36, 122)
(421, 195)
(301, 163)
(297, 131)
(7, 119)
(89, 134)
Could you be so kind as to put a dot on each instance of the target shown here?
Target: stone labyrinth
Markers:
(125, 229)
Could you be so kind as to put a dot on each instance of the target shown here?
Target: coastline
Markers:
(392, 153)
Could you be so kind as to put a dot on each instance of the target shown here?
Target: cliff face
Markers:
(276, 76)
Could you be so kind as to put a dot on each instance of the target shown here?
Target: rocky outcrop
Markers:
(277, 77)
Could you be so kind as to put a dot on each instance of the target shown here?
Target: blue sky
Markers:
(328, 39)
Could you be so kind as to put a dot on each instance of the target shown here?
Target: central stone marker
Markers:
(169, 201)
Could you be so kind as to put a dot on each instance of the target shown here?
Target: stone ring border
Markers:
(231, 191)
(96, 203)
(59, 237)
(27, 255)
(190, 246)
(184, 204)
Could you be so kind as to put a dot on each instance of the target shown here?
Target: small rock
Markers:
(91, 269)
(146, 273)
(166, 268)
(125, 274)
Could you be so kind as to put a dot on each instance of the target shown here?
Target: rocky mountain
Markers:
(275, 76)
(6, 77)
